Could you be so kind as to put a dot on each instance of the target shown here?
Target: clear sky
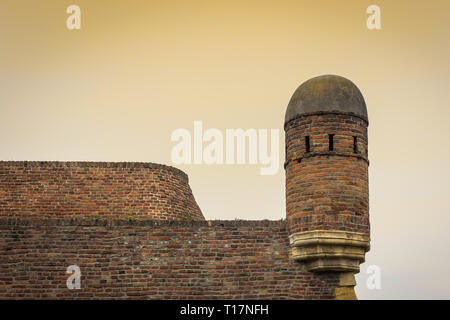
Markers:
(138, 70)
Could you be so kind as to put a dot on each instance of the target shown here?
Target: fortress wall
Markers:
(149, 259)
(96, 188)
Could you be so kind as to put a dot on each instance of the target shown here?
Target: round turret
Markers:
(327, 196)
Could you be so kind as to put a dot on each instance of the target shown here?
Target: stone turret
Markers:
(327, 195)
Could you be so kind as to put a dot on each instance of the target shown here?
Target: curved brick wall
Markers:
(327, 190)
(96, 188)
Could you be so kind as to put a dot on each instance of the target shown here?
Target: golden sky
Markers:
(137, 70)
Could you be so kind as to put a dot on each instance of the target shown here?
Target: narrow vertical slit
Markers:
(330, 140)
(355, 145)
(307, 145)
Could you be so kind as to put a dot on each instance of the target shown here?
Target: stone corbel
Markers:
(329, 250)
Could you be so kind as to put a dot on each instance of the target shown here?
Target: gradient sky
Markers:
(137, 70)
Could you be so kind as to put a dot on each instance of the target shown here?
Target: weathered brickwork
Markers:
(136, 231)
(96, 188)
(318, 126)
(151, 259)
(342, 222)
(327, 189)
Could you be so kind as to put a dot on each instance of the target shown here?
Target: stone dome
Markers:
(327, 93)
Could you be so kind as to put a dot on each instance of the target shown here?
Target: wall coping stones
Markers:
(37, 220)
(94, 164)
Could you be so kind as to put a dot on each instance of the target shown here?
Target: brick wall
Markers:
(149, 259)
(327, 189)
(96, 188)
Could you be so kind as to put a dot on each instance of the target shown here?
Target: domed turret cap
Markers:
(327, 93)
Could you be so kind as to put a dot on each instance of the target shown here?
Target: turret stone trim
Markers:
(329, 250)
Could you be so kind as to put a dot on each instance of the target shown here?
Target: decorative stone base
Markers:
(329, 250)
(345, 293)
(346, 288)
